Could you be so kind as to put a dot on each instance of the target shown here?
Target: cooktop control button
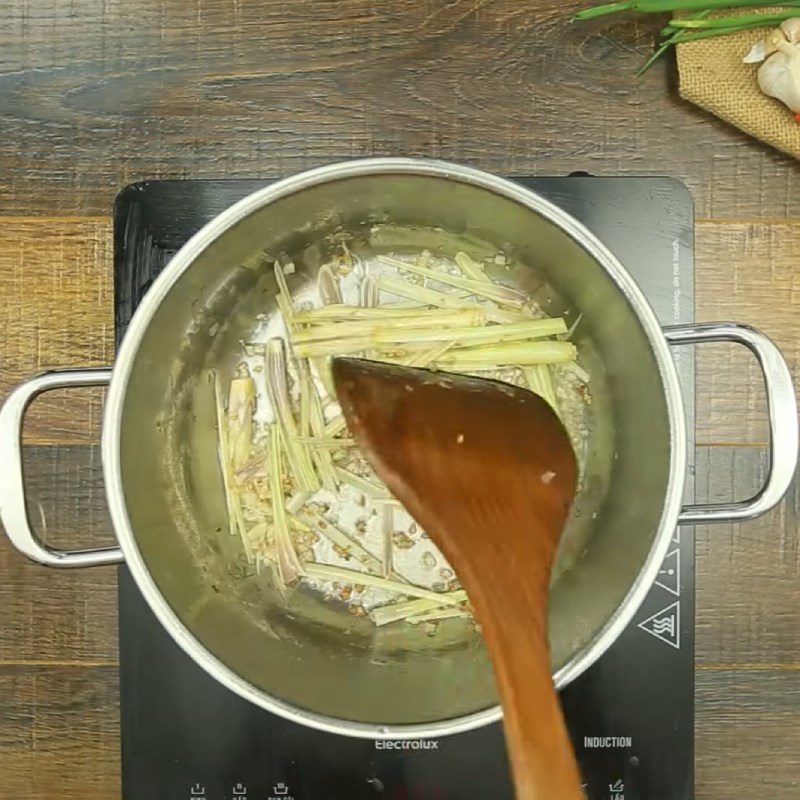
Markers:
(280, 791)
(239, 792)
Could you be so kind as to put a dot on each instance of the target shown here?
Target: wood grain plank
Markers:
(748, 574)
(103, 92)
(55, 615)
(746, 272)
(59, 733)
(746, 734)
(56, 311)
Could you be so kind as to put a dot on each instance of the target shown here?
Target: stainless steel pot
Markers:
(308, 661)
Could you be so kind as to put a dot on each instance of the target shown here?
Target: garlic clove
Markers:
(758, 52)
(765, 47)
(779, 76)
(791, 29)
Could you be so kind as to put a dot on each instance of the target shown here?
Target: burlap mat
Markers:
(713, 77)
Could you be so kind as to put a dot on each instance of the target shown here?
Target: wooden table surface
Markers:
(96, 94)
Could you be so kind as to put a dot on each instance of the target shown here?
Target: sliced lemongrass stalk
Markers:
(471, 268)
(572, 328)
(289, 566)
(578, 371)
(370, 293)
(340, 347)
(385, 615)
(386, 501)
(491, 291)
(296, 502)
(540, 382)
(326, 572)
(298, 454)
(314, 520)
(258, 536)
(467, 334)
(254, 468)
(387, 530)
(400, 343)
(284, 296)
(438, 616)
(266, 555)
(422, 294)
(367, 487)
(404, 305)
(335, 426)
(360, 329)
(232, 499)
(241, 403)
(322, 366)
(328, 286)
(305, 398)
(322, 457)
(326, 443)
(346, 313)
(510, 354)
(428, 357)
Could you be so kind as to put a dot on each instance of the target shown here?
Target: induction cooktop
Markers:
(186, 737)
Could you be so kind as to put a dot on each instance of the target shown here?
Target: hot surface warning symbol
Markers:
(665, 625)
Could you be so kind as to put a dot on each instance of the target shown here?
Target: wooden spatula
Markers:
(487, 469)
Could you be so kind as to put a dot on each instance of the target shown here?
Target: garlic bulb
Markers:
(779, 76)
(789, 31)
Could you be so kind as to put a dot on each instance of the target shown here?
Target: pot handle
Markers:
(13, 511)
(782, 409)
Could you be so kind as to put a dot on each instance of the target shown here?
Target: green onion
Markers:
(664, 6)
(731, 22)
(698, 25)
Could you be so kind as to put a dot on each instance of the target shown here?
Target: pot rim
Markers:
(183, 259)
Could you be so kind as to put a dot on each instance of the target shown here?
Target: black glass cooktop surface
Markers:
(185, 737)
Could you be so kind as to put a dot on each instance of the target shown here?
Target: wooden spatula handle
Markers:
(539, 747)
(488, 470)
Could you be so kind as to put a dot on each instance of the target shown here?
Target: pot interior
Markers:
(297, 648)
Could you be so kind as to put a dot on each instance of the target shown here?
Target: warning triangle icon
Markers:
(669, 576)
(665, 625)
